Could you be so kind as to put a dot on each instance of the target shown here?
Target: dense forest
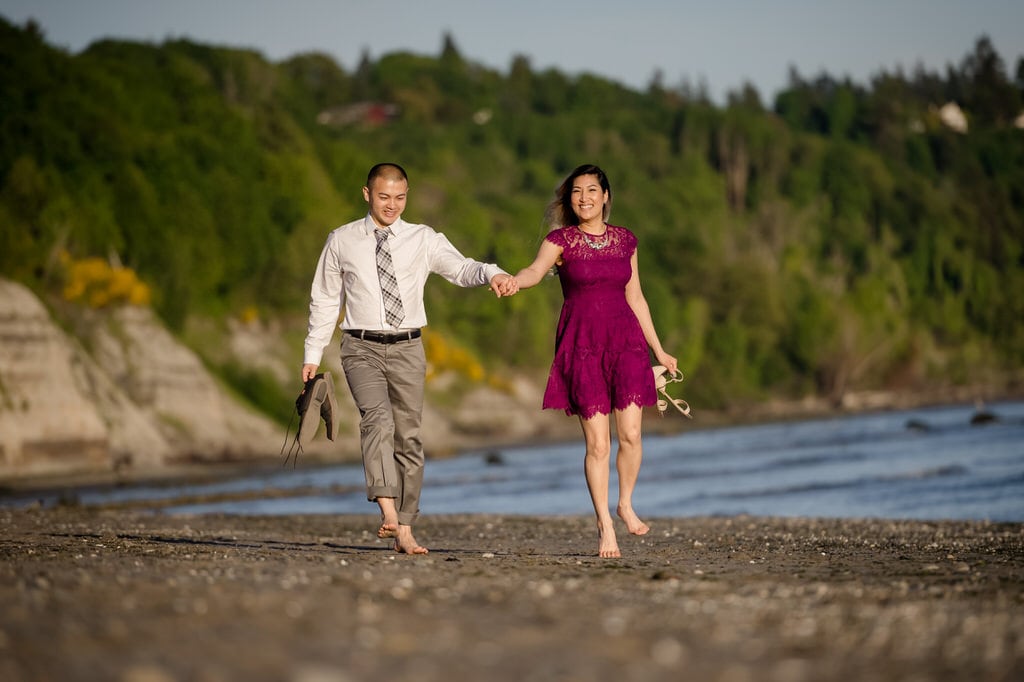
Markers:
(846, 236)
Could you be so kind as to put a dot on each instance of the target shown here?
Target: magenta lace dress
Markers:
(601, 358)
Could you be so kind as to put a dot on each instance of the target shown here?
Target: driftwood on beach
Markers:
(118, 595)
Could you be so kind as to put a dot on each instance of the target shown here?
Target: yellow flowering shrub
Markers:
(249, 315)
(443, 355)
(97, 284)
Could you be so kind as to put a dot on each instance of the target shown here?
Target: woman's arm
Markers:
(532, 274)
(636, 300)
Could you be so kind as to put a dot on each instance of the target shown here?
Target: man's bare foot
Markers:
(388, 518)
(405, 543)
(633, 522)
(388, 529)
(609, 546)
(415, 549)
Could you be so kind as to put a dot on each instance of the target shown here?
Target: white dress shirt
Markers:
(346, 275)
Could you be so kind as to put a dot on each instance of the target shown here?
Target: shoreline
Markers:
(208, 471)
(113, 594)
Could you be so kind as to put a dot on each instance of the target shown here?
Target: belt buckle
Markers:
(384, 337)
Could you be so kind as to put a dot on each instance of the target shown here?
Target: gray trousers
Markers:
(386, 381)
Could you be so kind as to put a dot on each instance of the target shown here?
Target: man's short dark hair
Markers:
(390, 171)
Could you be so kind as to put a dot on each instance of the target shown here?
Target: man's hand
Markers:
(504, 285)
(308, 372)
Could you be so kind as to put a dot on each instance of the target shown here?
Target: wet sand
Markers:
(121, 595)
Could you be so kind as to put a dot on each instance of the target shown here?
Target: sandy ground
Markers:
(122, 595)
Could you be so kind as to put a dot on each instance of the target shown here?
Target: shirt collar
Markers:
(370, 227)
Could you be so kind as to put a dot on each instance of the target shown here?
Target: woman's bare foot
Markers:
(405, 543)
(633, 522)
(609, 545)
(388, 529)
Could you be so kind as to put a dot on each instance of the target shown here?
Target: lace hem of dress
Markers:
(591, 411)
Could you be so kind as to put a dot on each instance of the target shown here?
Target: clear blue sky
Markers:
(720, 42)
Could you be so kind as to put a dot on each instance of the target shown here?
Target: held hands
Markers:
(504, 285)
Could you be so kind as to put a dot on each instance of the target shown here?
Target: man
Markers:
(377, 267)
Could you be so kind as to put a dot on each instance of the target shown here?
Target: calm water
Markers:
(920, 464)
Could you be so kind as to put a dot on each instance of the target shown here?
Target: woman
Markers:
(601, 365)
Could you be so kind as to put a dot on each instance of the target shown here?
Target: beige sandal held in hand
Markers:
(662, 378)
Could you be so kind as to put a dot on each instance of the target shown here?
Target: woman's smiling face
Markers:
(588, 199)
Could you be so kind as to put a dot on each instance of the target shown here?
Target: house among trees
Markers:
(358, 113)
(952, 116)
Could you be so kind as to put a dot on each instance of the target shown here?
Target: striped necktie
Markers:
(394, 313)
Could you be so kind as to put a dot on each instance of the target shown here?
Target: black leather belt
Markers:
(384, 337)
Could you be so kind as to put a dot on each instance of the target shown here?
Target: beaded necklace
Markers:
(592, 243)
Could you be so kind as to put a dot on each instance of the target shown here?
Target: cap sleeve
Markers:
(631, 241)
(626, 239)
(557, 237)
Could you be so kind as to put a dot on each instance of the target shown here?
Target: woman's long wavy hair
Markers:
(560, 212)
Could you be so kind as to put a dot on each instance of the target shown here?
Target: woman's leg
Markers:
(596, 466)
(627, 463)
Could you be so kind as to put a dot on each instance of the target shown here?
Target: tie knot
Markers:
(382, 234)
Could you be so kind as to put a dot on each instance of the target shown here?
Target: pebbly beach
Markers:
(117, 594)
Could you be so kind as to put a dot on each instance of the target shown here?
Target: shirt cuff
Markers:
(312, 357)
(492, 271)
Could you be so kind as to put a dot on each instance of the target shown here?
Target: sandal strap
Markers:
(662, 377)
